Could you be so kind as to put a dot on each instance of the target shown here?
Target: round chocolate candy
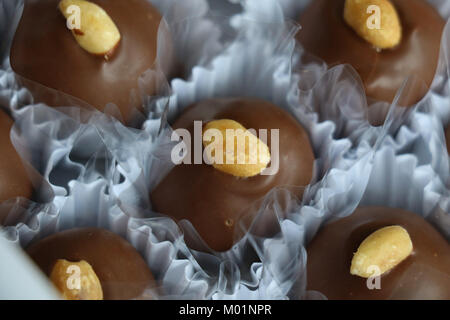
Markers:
(109, 267)
(45, 52)
(215, 197)
(14, 181)
(328, 36)
(377, 237)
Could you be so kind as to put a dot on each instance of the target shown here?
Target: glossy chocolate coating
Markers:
(45, 51)
(14, 181)
(122, 272)
(207, 197)
(425, 274)
(326, 35)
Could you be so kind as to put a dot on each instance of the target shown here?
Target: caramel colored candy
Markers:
(122, 272)
(326, 35)
(422, 274)
(44, 51)
(215, 201)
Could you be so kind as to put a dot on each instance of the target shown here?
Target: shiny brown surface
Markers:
(208, 197)
(122, 272)
(14, 181)
(45, 52)
(325, 34)
(423, 275)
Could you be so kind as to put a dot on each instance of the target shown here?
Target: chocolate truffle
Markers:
(422, 274)
(14, 181)
(328, 36)
(101, 255)
(45, 52)
(211, 198)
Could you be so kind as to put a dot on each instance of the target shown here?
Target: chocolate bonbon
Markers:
(45, 53)
(214, 200)
(100, 256)
(328, 36)
(423, 273)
